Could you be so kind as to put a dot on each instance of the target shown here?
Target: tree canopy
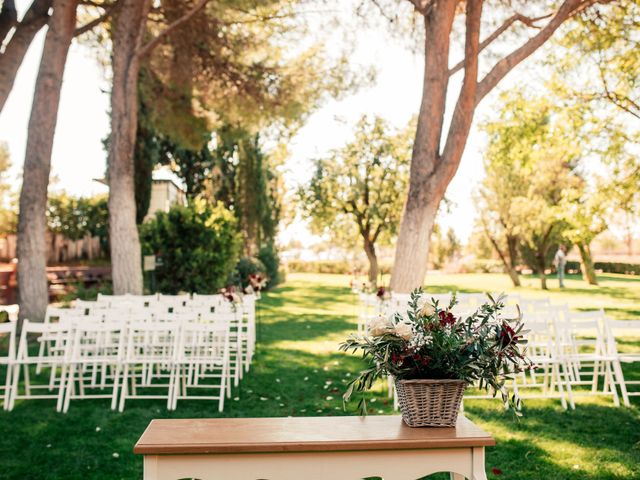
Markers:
(358, 190)
(532, 182)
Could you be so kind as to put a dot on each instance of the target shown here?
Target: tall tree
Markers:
(597, 68)
(128, 30)
(597, 60)
(16, 47)
(32, 280)
(585, 221)
(23, 32)
(532, 180)
(358, 190)
(237, 70)
(436, 152)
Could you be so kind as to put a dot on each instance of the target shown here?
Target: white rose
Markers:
(404, 330)
(379, 327)
(427, 310)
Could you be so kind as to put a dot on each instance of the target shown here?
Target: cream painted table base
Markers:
(317, 448)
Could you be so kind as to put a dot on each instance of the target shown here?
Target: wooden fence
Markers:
(59, 248)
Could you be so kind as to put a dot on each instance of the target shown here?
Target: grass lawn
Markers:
(298, 371)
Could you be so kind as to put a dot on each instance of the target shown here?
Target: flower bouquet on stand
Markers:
(433, 355)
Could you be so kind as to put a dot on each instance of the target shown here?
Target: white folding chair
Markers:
(618, 330)
(583, 347)
(95, 353)
(7, 359)
(236, 344)
(148, 360)
(52, 314)
(249, 310)
(179, 300)
(86, 307)
(54, 358)
(370, 308)
(542, 350)
(123, 317)
(202, 362)
(215, 299)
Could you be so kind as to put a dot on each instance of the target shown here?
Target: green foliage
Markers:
(75, 217)
(360, 187)
(237, 173)
(359, 190)
(256, 199)
(268, 255)
(83, 292)
(197, 245)
(430, 342)
(239, 62)
(478, 243)
(8, 207)
(533, 185)
(597, 58)
(147, 155)
(328, 266)
(608, 267)
(597, 72)
(246, 266)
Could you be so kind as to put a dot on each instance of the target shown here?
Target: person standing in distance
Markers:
(559, 261)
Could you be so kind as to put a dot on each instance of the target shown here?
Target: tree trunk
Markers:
(512, 246)
(541, 268)
(586, 264)
(431, 171)
(508, 262)
(128, 29)
(513, 275)
(425, 191)
(8, 18)
(32, 222)
(10, 61)
(370, 250)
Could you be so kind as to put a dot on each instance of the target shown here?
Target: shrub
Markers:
(606, 267)
(197, 247)
(246, 266)
(83, 292)
(618, 267)
(268, 255)
(324, 266)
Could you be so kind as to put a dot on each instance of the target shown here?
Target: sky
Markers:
(78, 156)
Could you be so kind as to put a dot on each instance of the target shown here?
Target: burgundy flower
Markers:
(421, 360)
(381, 292)
(507, 335)
(446, 318)
(496, 471)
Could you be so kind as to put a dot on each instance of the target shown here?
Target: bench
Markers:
(310, 448)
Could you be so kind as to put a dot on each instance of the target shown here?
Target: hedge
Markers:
(607, 267)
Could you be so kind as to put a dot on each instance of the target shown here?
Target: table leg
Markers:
(479, 472)
(150, 467)
(457, 476)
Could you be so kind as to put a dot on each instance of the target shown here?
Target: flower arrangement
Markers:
(257, 282)
(383, 294)
(430, 342)
(231, 295)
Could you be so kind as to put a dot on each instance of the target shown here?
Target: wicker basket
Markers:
(430, 403)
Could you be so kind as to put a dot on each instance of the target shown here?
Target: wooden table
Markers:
(310, 448)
